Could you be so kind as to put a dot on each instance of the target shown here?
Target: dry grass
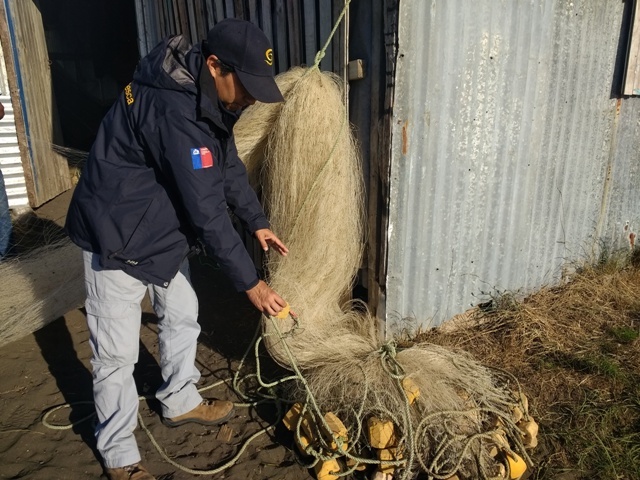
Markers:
(575, 349)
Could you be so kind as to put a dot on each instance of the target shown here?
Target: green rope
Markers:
(320, 55)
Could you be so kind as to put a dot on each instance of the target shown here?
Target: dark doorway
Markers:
(93, 51)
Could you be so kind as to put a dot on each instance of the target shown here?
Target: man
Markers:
(5, 214)
(158, 182)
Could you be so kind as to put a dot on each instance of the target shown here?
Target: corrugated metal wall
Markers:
(297, 29)
(10, 160)
(511, 154)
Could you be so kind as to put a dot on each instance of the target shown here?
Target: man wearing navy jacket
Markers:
(158, 183)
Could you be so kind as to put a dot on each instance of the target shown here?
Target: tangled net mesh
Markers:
(38, 286)
(303, 156)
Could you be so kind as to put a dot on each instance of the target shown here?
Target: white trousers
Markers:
(114, 317)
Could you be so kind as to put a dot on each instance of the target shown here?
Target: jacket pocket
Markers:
(139, 242)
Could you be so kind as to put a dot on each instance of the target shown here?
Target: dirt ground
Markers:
(51, 367)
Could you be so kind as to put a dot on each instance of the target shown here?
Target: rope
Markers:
(320, 55)
(154, 442)
(192, 471)
(414, 436)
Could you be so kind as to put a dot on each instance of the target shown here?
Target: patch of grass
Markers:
(624, 334)
(604, 441)
(575, 350)
(596, 364)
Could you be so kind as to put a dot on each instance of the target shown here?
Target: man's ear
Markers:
(212, 65)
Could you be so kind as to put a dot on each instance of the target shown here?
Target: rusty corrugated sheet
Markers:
(511, 155)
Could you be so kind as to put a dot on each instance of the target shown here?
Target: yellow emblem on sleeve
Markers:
(128, 94)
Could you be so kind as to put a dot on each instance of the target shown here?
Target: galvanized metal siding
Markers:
(509, 156)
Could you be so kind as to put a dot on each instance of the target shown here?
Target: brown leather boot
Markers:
(209, 412)
(131, 472)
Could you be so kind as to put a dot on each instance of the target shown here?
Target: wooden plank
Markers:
(267, 22)
(337, 7)
(201, 20)
(339, 40)
(218, 10)
(239, 9)
(211, 19)
(150, 23)
(310, 31)
(632, 70)
(326, 24)
(379, 185)
(142, 33)
(252, 12)
(355, 69)
(176, 17)
(161, 20)
(46, 172)
(280, 33)
(293, 24)
(171, 19)
(229, 9)
(193, 26)
(183, 25)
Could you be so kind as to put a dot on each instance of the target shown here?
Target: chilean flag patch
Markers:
(201, 158)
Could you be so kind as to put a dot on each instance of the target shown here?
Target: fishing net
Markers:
(38, 286)
(447, 412)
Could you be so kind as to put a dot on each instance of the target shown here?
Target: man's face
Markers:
(230, 91)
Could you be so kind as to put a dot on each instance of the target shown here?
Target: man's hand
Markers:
(266, 237)
(265, 299)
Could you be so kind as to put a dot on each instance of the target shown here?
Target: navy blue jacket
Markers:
(162, 172)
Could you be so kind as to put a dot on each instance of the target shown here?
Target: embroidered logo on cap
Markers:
(268, 57)
(201, 158)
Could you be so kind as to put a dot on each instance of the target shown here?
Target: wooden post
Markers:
(386, 29)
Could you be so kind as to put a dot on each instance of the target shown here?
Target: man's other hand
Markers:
(266, 237)
(265, 299)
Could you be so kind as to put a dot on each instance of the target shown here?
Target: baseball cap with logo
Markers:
(243, 46)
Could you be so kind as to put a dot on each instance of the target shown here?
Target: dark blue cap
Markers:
(243, 46)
